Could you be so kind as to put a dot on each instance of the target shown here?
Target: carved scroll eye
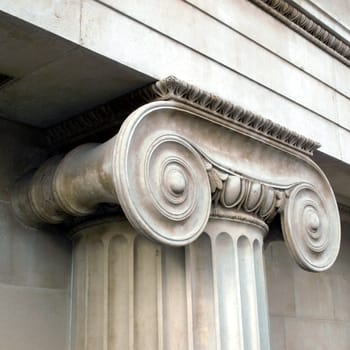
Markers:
(310, 231)
(170, 177)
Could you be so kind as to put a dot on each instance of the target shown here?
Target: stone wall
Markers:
(34, 264)
(308, 310)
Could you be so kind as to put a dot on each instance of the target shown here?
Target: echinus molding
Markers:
(109, 117)
(174, 164)
(309, 27)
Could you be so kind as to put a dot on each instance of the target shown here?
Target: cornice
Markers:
(109, 117)
(309, 27)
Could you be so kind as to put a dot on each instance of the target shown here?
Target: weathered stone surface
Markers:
(304, 334)
(277, 332)
(30, 257)
(340, 293)
(317, 304)
(33, 318)
(34, 286)
(310, 27)
(61, 17)
(322, 315)
(15, 162)
(34, 264)
(280, 281)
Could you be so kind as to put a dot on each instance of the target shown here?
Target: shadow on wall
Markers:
(305, 306)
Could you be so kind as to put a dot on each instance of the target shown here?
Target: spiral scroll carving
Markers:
(169, 176)
(169, 200)
(311, 237)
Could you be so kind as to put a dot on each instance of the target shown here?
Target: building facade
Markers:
(174, 174)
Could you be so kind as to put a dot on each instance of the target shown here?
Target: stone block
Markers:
(342, 263)
(307, 334)
(18, 152)
(33, 318)
(25, 48)
(277, 333)
(30, 257)
(59, 17)
(249, 61)
(313, 294)
(341, 293)
(280, 288)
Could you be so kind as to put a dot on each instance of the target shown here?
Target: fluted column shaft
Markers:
(238, 283)
(131, 293)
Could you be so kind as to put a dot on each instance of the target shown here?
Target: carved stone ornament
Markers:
(110, 116)
(294, 16)
(172, 165)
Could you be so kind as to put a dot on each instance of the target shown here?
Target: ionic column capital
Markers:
(311, 233)
(184, 157)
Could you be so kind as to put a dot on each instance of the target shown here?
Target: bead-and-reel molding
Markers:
(312, 236)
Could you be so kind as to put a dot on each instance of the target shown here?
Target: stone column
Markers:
(237, 271)
(199, 180)
(131, 293)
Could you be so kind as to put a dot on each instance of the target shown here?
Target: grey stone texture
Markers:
(34, 263)
(34, 286)
(308, 310)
